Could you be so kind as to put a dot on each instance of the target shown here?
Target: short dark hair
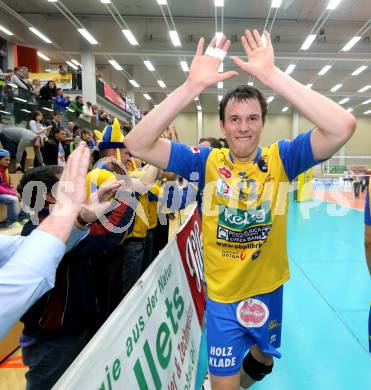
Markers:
(57, 113)
(77, 98)
(240, 93)
(47, 175)
(59, 130)
(86, 131)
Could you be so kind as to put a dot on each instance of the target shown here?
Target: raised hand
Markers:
(204, 69)
(260, 55)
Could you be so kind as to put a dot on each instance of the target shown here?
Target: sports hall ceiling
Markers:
(150, 22)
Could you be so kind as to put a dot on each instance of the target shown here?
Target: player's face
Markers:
(242, 127)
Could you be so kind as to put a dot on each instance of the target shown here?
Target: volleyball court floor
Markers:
(326, 301)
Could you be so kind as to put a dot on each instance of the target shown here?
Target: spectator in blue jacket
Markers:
(61, 102)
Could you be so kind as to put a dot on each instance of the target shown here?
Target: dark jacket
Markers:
(50, 151)
(71, 306)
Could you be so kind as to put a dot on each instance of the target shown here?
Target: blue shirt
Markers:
(27, 271)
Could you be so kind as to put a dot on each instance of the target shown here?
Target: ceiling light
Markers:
(351, 43)
(105, 1)
(324, 70)
(350, 109)
(364, 89)
(219, 3)
(367, 101)
(149, 65)
(220, 85)
(307, 43)
(276, 3)
(161, 84)
(47, 70)
(115, 64)
(285, 109)
(174, 38)
(290, 69)
(130, 37)
(47, 109)
(5, 30)
(220, 97)
(43, 56)
(250, 84)
(86, 34)
(345, 100)
(5, 112)
(270, 99)
(76, 63)
(162, 2)
(336, 87)
(73, 66)
(309, 85)
(218, 35)
(199, 108)
(52, 1)
(367, 112)
(333, 4)
(147, 96)
(24, 110)
(184, 66)
(40, 34)
(359, 70)
(134, 83)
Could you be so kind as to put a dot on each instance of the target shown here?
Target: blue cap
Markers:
(4, 153)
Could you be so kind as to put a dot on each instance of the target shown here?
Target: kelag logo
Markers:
(239, 220)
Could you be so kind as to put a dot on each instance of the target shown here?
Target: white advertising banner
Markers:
(151, 340)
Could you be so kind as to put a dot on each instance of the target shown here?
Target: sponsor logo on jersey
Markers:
(242, 226)
(225, 172)
(252, 313)
(273, 324)
(195, 149)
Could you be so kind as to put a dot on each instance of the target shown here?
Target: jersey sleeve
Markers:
(367, 207)
(297, 155)
(189, 162)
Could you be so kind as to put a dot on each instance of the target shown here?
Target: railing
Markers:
(17, 106)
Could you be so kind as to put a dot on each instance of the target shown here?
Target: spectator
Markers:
(71, 306)
(76, 130)
(8, 194)
(210, 142)
(22, 92)
(36, 86)
(48, 93)
(55, 149)
(18, 79)
(55, 123)
(86, 135)
(79, 78)
(18, 139)
(87, 113)
(224, 142)
(62, 71)
(77, 109)
(61, 102)
(37, 127)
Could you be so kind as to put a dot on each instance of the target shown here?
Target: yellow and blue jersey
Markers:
(244, 213)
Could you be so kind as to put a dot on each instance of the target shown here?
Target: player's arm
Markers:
(334, 124)
(144, 140)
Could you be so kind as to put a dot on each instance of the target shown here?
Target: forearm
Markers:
(329, 117)
(154, 123)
